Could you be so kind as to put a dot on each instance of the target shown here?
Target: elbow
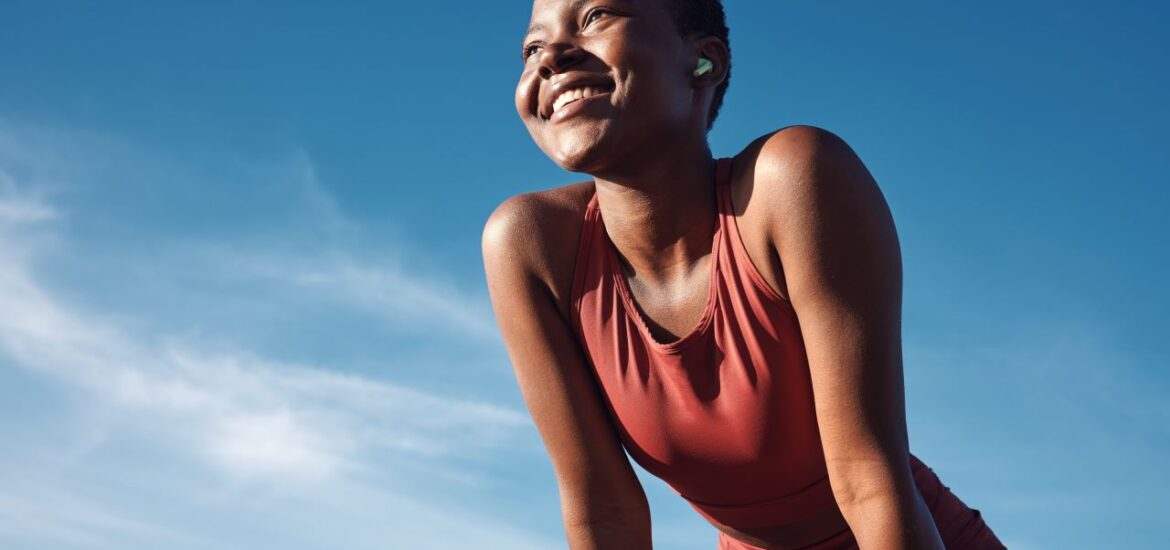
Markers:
(866, 500)
(626, 527)
(635, 511)
(890, 518)
(865, 483)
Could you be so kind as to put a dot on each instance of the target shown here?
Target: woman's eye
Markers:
(529, 50)
(594, 15)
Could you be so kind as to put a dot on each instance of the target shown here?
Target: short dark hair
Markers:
(704, 18)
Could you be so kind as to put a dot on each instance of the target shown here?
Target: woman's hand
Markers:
(842, 265)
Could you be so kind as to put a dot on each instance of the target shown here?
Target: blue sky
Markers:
(243, 301)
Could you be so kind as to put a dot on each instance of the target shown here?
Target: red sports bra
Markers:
(724, 415)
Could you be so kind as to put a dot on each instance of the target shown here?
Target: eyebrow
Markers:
(574, 7)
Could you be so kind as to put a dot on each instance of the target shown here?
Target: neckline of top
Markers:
(631, 308)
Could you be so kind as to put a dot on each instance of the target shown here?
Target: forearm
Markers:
(884, 522)
(631, 530)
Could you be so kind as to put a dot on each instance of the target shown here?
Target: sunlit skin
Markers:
(812, 220)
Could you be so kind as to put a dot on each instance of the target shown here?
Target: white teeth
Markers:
(571, 95)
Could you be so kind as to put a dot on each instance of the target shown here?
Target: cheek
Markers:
(523, 97)
(527, 91)
(526, 95)
(659, 87)
(647, 77)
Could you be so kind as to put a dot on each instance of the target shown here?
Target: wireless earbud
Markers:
(704, 66)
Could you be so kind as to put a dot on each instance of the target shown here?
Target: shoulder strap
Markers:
(585, 243)
(723, 171)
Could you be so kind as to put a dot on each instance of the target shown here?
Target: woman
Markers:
(732, 323)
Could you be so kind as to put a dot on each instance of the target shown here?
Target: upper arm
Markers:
(836, 240)
(596, 481)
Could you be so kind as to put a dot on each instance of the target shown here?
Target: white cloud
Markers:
(23, 211)
(248, 415)
(40, 515)
(245, 418)
(386, 291)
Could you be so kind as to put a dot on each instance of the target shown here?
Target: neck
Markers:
(660, 213)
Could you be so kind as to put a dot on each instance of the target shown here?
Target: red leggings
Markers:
(961, 528)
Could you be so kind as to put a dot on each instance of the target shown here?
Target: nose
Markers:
(557, 58)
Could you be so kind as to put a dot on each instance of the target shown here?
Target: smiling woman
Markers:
(733, 323)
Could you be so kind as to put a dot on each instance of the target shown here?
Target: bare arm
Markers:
(603, 504)
(836, 239)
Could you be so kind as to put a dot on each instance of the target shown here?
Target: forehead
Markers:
(548, 11)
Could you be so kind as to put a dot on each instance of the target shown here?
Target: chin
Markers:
(586, 149)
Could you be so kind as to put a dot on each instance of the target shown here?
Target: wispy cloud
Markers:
(43, 515)
(244, 417)
(20, 210)
(247, 414)
(386, 291)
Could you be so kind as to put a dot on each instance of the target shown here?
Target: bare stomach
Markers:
(817, 528)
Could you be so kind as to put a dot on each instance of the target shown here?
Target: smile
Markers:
(574, 101)
(573, 94)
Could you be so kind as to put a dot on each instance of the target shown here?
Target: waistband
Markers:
(810, 502)
(792, 508)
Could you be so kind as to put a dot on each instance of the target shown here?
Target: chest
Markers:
(670, 312)
(733, 394)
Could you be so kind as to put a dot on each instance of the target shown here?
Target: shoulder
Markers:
(805, 175)
(527, 225)
(802, 159)
(796, 142)
(538, 232)
(807, 207)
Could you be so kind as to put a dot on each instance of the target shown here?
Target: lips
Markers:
(572, 87)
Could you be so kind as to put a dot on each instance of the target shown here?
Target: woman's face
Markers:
(602, 78)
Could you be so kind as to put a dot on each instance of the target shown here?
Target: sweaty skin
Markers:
(812, 220)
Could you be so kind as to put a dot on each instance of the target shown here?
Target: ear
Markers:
(715, 51)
